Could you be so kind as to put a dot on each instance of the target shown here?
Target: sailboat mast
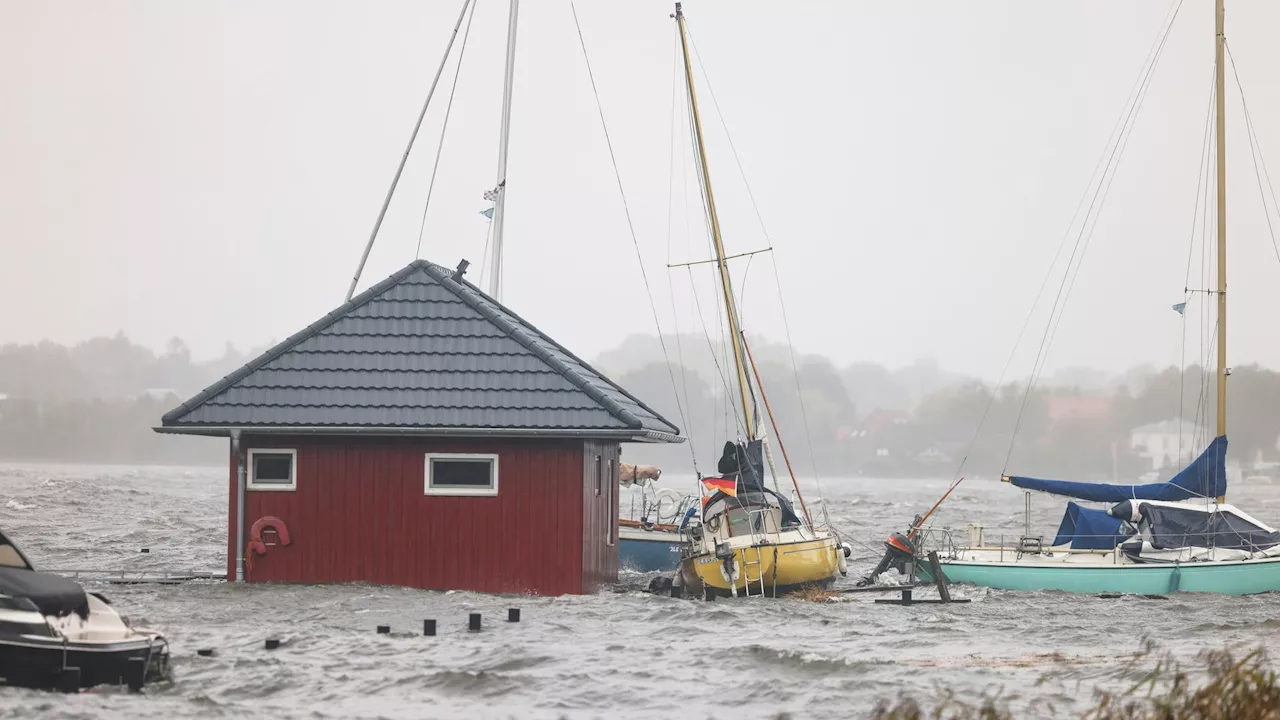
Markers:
(731, 308)
(500, 201)
(1220, 45)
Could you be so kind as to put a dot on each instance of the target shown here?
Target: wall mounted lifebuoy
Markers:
(256, 542)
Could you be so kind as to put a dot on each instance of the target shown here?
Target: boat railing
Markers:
(943, 540)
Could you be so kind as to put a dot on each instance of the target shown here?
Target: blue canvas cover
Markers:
(1088, 529)
(1206, 476)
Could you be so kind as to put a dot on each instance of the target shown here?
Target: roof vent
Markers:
(462, 270)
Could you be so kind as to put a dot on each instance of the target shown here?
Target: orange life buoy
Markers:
(256, 543)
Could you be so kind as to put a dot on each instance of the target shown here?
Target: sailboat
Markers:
(749, 539)
(1154, 538)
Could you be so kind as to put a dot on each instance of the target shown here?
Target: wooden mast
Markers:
(731, 308)
(1220, 69)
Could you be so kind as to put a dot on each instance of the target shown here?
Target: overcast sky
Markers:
(212, 170)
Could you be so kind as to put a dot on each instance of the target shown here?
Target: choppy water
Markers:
(623, 653)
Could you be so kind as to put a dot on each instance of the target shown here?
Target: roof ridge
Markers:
(288, 343)
(562, 349)
(521, 336)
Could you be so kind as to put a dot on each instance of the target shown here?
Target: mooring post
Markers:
(939, 579)
(474, 625)
(513, 614)
(428, 627)
(384, 629)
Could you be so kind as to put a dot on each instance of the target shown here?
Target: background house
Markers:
(1169, 443)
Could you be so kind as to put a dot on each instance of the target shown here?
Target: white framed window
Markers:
(474, 474)
(273, 469)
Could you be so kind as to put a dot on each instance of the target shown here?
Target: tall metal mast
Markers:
(730, 306)
(1220, 45)
(500, 192)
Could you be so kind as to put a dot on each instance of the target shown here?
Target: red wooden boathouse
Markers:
(423, 434)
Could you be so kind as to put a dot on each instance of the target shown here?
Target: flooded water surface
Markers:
(620, 653)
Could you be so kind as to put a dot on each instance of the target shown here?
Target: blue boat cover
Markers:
(1206, 476)
(1089, 529)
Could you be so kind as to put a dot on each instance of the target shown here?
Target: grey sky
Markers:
(212, 170)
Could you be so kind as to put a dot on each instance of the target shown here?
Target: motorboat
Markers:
(56, 636)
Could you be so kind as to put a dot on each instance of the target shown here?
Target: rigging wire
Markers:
(675, 316)
(1044, 282)
(1129, 114)
(795, 371)
(729, 408)
(1202, 184)
(1255, 151)
(626, 208)
(448, 108)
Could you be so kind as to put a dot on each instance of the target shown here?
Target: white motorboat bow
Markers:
(54, 635)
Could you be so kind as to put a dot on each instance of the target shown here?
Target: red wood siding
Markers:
(599, 514)
(359, 514)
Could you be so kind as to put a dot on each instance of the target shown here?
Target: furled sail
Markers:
(1205, 477)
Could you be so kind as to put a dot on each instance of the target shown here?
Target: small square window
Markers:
(273, 470)
(461, 474)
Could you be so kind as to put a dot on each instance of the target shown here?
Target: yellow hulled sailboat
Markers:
(750, 540)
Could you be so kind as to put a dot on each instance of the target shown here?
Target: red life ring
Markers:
(256, 543)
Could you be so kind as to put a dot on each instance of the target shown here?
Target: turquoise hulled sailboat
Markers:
(1158, 538)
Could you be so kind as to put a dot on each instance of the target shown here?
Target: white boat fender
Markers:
(842, 559)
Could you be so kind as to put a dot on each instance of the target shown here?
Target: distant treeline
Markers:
(97, 402)
(921, 421)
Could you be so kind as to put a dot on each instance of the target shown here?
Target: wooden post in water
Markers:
(939, 579)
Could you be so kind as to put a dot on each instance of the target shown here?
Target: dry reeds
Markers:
(1231, 689)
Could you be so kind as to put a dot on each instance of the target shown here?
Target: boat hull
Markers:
(648, 550)
(38, 663)
(1241, 577)
(784, 567)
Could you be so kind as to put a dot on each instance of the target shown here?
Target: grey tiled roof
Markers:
(421, 352)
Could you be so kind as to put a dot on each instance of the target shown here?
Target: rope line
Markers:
(448, 108)
(1081, 244)
(626, 209)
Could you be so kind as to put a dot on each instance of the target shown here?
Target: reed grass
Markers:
(1224, 687)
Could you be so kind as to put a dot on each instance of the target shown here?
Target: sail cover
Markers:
(746, 463)
(1206, 476)
(1089, 529)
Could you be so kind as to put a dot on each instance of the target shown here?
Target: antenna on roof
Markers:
(462, 270)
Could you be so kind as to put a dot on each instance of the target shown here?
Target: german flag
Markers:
(725, 485)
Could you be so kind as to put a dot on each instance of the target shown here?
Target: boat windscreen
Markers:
(11, 556)
(722, 502)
